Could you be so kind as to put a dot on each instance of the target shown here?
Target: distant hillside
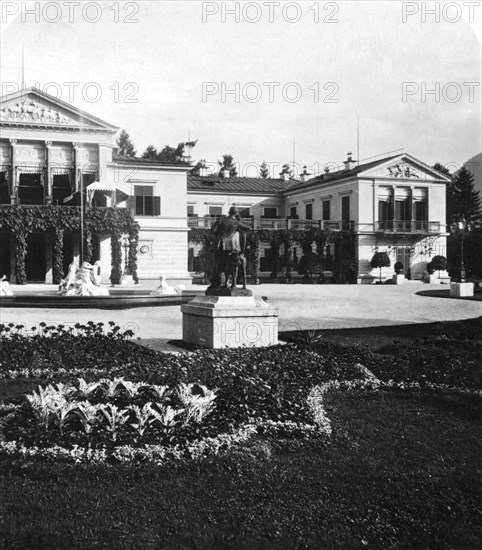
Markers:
(475, 166)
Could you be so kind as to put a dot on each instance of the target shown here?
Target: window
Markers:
(4, 191)
(190, 210)
(309, 211)
(326, 210)
(402, 210)
(270, 212)
(244, 212)
(345, 209)
(146, 204)
(61, 188)
(215, 210)
(383, 211)
(30, 189)
(420, 213)
(293, 212)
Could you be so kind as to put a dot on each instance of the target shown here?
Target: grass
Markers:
(380, 339)
(402, 471)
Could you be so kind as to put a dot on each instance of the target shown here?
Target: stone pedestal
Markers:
(399, 279)
(127, 280)
(461, 290)
(229, 321)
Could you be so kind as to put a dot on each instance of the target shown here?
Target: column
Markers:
(392, 206)
(13, 172)
(48, 174)
(375, 205)
(76, 165)
(412, 225)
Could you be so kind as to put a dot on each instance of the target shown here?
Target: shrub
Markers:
(350, 271)
(310, 263)
(398, 268)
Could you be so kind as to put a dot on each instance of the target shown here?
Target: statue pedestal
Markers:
(127, 280)
(229, 321)
(461, 290)
(399, 279)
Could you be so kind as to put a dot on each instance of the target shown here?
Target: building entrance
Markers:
(404, 256)
(5, 255)
(35, 262)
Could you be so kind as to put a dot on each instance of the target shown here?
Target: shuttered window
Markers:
(326, 210)
(145, 203)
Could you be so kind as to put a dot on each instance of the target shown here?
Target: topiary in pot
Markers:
(380, 259)
(439, 263)
(398, 268)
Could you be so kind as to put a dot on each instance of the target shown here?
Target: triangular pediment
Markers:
(403, 167)
(32, 107)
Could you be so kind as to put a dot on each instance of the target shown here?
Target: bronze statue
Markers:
(229, 245)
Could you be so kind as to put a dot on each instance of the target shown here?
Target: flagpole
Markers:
(81, 222)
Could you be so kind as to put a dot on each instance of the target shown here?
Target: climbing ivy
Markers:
(56, 220)
(289, 238)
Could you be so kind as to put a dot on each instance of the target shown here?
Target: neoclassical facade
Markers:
(56, 160)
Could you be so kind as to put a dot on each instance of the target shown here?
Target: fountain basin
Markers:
(118, 299)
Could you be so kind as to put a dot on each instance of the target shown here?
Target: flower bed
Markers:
(119, 420)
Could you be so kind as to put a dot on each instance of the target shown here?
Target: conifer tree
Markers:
(125, 145)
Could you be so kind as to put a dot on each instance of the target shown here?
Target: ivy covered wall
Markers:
(56, 220)
(289, 239)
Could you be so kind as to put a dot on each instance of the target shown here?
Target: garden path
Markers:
(300, 306)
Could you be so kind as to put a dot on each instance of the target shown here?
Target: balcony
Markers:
(408, 226)
(207, 222)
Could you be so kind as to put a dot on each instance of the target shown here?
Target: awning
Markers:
(116, 194)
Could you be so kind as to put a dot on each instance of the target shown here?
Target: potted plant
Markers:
(398, 268)
(399, 277)
(379, 260)
(439, 263)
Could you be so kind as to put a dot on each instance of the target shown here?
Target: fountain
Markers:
(83, 281)
(164, 289)
(4, 287)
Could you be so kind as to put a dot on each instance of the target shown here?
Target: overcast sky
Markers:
(340, 58)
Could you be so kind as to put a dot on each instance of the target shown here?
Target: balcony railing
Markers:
(207, 222)
(408, 226)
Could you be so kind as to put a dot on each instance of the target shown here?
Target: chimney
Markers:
(304, 176)
(203, 171)
(225, 173)
(349, 162)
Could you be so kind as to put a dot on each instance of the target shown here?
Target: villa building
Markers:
(52, 154)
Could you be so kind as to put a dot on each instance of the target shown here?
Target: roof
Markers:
(146, 162)
(235, 184)
(20, 94)
(341, 174)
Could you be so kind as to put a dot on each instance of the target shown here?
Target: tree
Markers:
(380, 259)
(150, 153)
(439, 263)
(463, 201)
(227, 164)
(441, 168)
(125, 145)
(263, 171)
(168, 155)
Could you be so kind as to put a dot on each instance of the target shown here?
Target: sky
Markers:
(300, 74)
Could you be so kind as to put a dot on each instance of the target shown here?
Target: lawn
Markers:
(401, 469)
